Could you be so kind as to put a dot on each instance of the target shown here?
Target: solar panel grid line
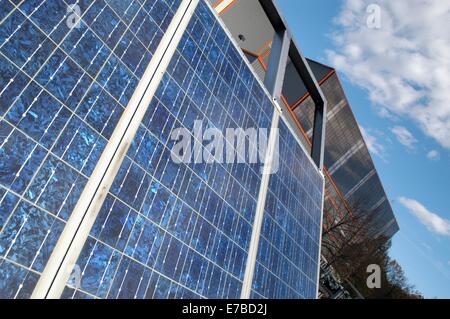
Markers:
(141, 7)
(29, 202)
(127, 25)
(116, 198)
(54, 118)
(230, 177)
(286, 258)
(227, 142)
(293, 239)
(23, 90)
(73, 230)
(285, 282)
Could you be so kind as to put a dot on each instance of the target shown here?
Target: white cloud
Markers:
(374, 146)
(434, 155)
(404, 65)
(432, 221)
(404, 136)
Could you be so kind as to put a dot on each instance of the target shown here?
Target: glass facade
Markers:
(352, 180)
(165, 230)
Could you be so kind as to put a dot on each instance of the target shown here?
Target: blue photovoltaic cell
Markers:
(286, 266)
(170, 230)
(165, 230)
(63, 88)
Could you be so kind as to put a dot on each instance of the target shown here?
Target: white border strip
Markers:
(223, 5)
(320, 241)
(65, 254)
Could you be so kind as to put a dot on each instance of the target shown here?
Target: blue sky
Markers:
(397, 81)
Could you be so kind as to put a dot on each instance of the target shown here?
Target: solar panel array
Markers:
(165, 230)
(62, 92)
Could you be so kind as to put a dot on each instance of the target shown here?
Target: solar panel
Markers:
(166, 229)
(170, 230)
(287, 261)
(66, 76)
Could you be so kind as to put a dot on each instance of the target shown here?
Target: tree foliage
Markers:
(349, 247)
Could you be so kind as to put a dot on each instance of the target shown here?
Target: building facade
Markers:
(354, 193)
(348, 163)
(93, 204)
